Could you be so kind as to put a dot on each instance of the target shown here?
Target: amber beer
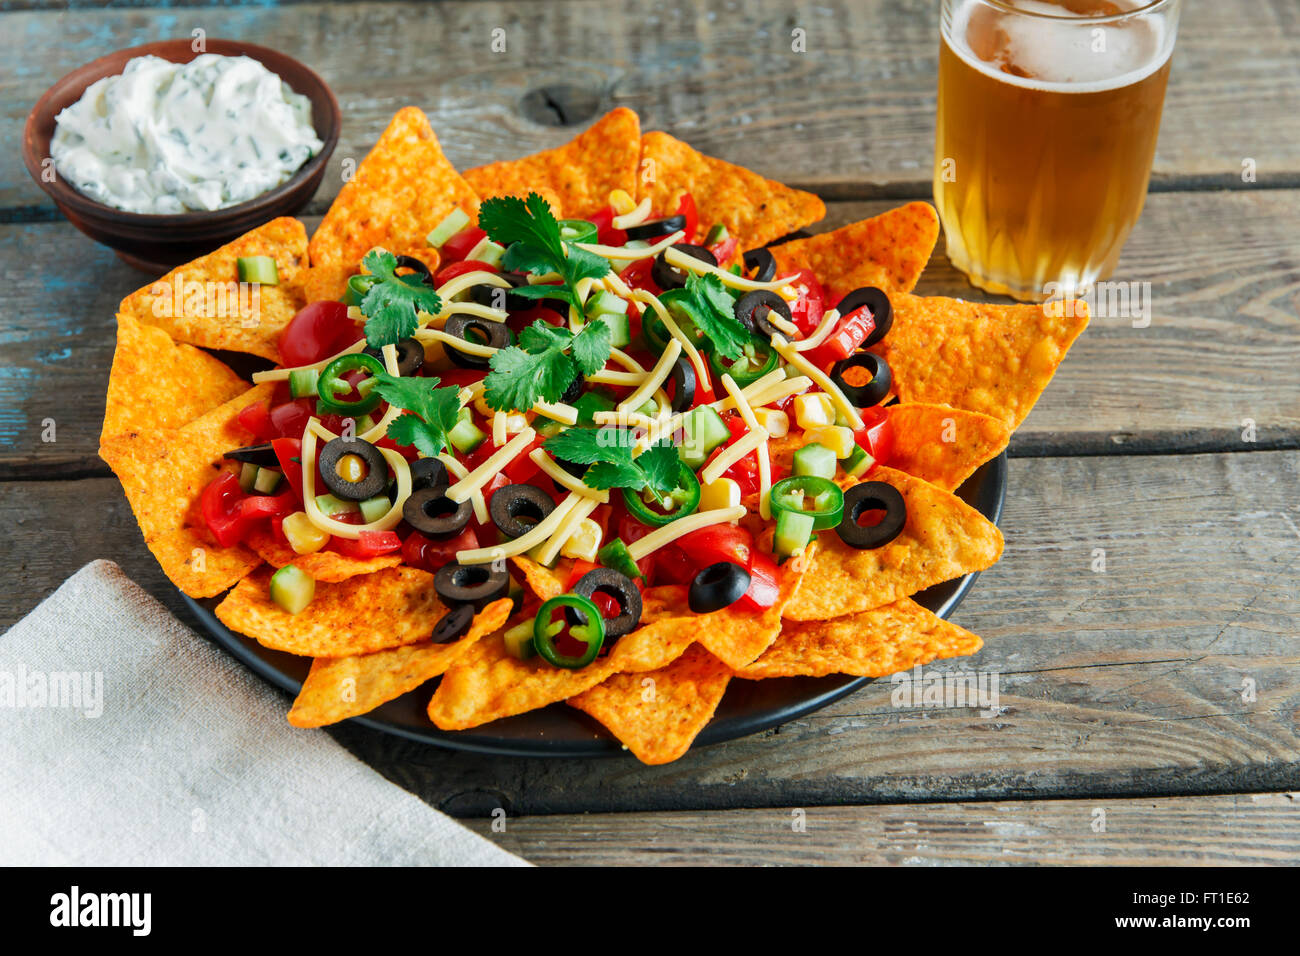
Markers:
(1047, 122)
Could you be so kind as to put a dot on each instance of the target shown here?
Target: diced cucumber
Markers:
(487, 251)
(519, 640)
(794, 529)
(267, 480)
(247, 477)
(452, 223)
(858, 463)
(815, 459)
(717, 234)
(372, 509)
(604, 302)
(703, 430)
(546, 427)
(465, 435)
(589, 403)
(259, 269)
(329, 505)
(363, 424)
(616, 556)
(292, 588)
(620, 329)
(650, 408)
(302, 382)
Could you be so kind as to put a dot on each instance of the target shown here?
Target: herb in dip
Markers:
(169, 137)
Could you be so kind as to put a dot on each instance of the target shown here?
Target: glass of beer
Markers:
(1047, 124)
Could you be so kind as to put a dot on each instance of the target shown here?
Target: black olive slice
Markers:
(428, 473)
(372, 483)
(656, 228)
(261, 455)
(497, 297)
(574, 390)
(620, 587)
(752, 309)
(684, 382)
(717, 586)
(410, 356)
(668, 276)
(513, 503)
(453, 625)
(763, 261)
(872, 496)
(882, 313)
(429, 511)
(415, 265)
(479, 331)
(476, 585)
(875, 390)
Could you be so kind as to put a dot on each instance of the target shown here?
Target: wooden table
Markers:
(1164, 691)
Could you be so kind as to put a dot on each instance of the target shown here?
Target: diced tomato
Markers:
(288, 452)
(371, 544)
(495, 484)
(255, 507)
(850, 332)
(724, 250)
(429, 555)
(763, 588)
(629, 529)
(579, 569)
(256, 418)
(460, 245)
(460, 377)
(877, 436)
(318, 331)
(719, 542)
(518, 321)
(606, 234)
(807, 310)
(409, 452)
(220, 507)
(672, 565)
(290, 419)
(637, 276)
(744, 472)
(447, 273)
(686, 208)
(523, 469)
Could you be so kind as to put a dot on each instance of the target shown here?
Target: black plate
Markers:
(560, 731)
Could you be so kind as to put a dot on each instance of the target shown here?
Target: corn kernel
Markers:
(584, 542)
(835, 437)
(719, 493)
(814, 410)
(304, 537)
(621, 201)
(774, 421)
(352, 468)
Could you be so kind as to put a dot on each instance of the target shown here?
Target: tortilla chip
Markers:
(944, 538)
(489, 683)
(872, 643)
(329, 567)
(389, 608)
(156, 383)
(325, 282)
(579, 175)
(994, 359)
(941, 444)
(203, 303)
(403, 188)
(337, 688)
(545, 582)
(163, 471)
(754, 209)
(659, 713)
(888, 251)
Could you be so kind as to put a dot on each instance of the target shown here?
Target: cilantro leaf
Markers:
(591, 347)
(540, 336)
(520, 379)
(430, 413)
(661, 465)
(712, 311)
(391, 304)
(604, 475)
(609, 453)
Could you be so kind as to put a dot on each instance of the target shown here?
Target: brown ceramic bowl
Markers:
(158, 242)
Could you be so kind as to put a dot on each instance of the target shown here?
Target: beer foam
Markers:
(1055, 54)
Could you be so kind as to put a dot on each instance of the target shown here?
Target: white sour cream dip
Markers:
(167, 137)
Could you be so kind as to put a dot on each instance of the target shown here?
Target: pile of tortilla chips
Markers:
(965, 375)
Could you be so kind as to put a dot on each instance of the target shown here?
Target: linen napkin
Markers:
(126, 739)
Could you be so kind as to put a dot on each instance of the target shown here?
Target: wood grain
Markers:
(1222, 347)
(1239, 830)
(855, 112)
(1127, 682)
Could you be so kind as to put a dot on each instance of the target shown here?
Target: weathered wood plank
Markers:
(1223, 343)
(1127, 682)
(855, 110)
(1238, 830)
